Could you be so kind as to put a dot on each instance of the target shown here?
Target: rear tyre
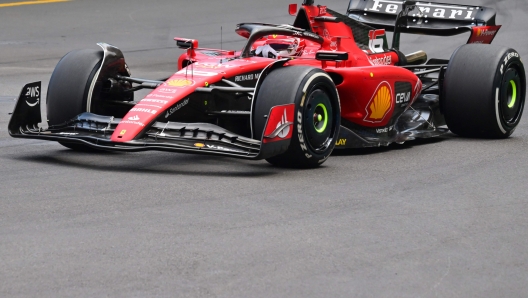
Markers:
(317, 114)
(484, 91)
(69, 88)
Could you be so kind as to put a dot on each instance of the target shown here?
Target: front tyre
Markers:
(484, 91)
(317, 113)
(70, 86)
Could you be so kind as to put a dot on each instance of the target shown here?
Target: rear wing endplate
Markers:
(424, 18)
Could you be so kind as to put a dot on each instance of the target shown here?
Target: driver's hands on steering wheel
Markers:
(266, 51)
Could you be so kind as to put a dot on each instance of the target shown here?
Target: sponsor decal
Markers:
(167, 90)
(68, 133)
(177, 107)
(341, 142)
(133, 122)
(33, 92)
(148, 105)
(322, 10)
(210, 65)
(199, 145)
(483, 34)
(378, 41)
(179, 83)
(156, 100)
(310, 52)
(198, 73)
(385, 60)
(507, 59)
(214, 147)
(123, 132)
(403, 97)
(333, 44)
(380, 104)
(403, 93)
(326, 34)
(286, 130)
(385, 130)
(509, 56)
(149, 98)
(486, 32)
(134, 118)
(142, 110)
(279, 124)
(300, 134)
(427, 9)
(310, 34)
(247, 77)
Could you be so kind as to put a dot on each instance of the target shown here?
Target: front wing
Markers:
(94, 131)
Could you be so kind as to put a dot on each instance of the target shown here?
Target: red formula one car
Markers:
(294, 92)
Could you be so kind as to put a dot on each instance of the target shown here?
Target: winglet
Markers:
(27, 108)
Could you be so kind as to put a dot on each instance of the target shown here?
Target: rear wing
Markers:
(422, 17)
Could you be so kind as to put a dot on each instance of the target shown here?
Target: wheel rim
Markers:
(319, 117)
(511, 103)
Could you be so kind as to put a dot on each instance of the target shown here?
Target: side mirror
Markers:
(185, 43)
(292, 9)
(331, 56)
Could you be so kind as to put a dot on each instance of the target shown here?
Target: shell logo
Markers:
(180, 83)
(380, 104)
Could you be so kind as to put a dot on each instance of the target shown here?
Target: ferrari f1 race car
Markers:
(293, 93)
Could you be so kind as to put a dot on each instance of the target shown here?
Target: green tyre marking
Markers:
(514, 95)
(325, 123)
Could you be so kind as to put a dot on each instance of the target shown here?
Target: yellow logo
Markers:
(123, 132)
(199, 145)
(380, 104)
(341, 142)
(180, 83)
(486, 32)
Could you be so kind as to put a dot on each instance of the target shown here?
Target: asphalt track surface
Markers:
(441, 218)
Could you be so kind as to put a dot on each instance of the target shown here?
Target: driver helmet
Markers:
(285, 47)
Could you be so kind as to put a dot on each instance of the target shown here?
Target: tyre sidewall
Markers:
(510, 59)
